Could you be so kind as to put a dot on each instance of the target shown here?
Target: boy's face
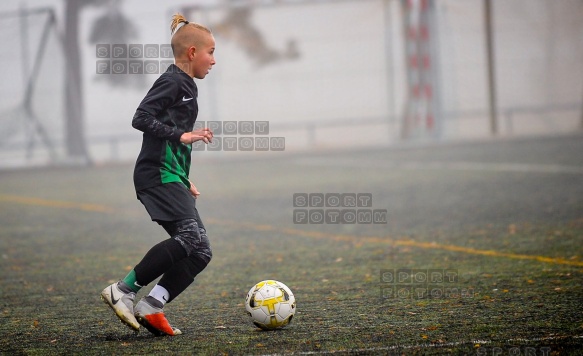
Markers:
(203, 57)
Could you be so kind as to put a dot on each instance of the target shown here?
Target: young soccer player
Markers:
(166, 116)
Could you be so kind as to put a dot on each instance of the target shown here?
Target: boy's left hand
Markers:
(195, 193)
(205, 135)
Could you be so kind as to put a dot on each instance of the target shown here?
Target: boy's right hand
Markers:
(205, 135)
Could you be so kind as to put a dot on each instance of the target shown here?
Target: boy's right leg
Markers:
(150, 313)
(158, 260)
(196, 242)
(191, 235)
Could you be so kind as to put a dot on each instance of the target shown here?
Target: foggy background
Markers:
(390, 98)
(324, 74)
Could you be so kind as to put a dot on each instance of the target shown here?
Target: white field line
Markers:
(397, 348)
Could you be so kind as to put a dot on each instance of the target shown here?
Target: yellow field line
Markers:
(310, 234)
(493, 253)
(400, 242)
(56, 203)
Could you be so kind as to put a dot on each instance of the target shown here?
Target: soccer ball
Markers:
(270, 304)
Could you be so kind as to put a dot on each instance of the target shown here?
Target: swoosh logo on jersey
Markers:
(184, 98)
(113, 300)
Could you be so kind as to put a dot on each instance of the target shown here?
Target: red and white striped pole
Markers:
(419, 117)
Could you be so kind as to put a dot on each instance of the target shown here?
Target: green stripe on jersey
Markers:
(175, 163)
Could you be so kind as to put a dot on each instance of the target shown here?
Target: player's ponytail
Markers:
(178, 21)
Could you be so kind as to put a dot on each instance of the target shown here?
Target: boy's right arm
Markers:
(145, 122)
(160, 97)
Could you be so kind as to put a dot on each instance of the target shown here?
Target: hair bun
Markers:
(177, 19)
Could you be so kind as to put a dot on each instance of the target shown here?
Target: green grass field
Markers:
(507, 216)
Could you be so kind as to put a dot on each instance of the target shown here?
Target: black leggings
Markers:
(180, 258)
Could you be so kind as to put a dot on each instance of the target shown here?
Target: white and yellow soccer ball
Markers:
(270, 304)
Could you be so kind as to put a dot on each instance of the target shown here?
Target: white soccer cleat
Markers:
(122, 304)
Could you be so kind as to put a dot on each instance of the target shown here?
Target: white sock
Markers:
(160, 293)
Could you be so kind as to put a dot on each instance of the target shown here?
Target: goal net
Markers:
(31, 91)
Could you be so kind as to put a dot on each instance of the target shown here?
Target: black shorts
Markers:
(168, 202)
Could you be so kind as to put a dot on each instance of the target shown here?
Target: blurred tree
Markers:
(238, 27)
(76, 143)
(113, 27)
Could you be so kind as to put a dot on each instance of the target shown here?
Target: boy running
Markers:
(166, 116)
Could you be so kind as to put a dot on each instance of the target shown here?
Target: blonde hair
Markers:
(178, 18)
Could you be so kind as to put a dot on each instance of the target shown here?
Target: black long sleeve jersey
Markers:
(169, 109)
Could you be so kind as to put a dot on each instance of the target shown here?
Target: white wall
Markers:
(538, 56)
(348, 69)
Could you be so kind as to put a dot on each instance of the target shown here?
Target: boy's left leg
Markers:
(191, 235)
